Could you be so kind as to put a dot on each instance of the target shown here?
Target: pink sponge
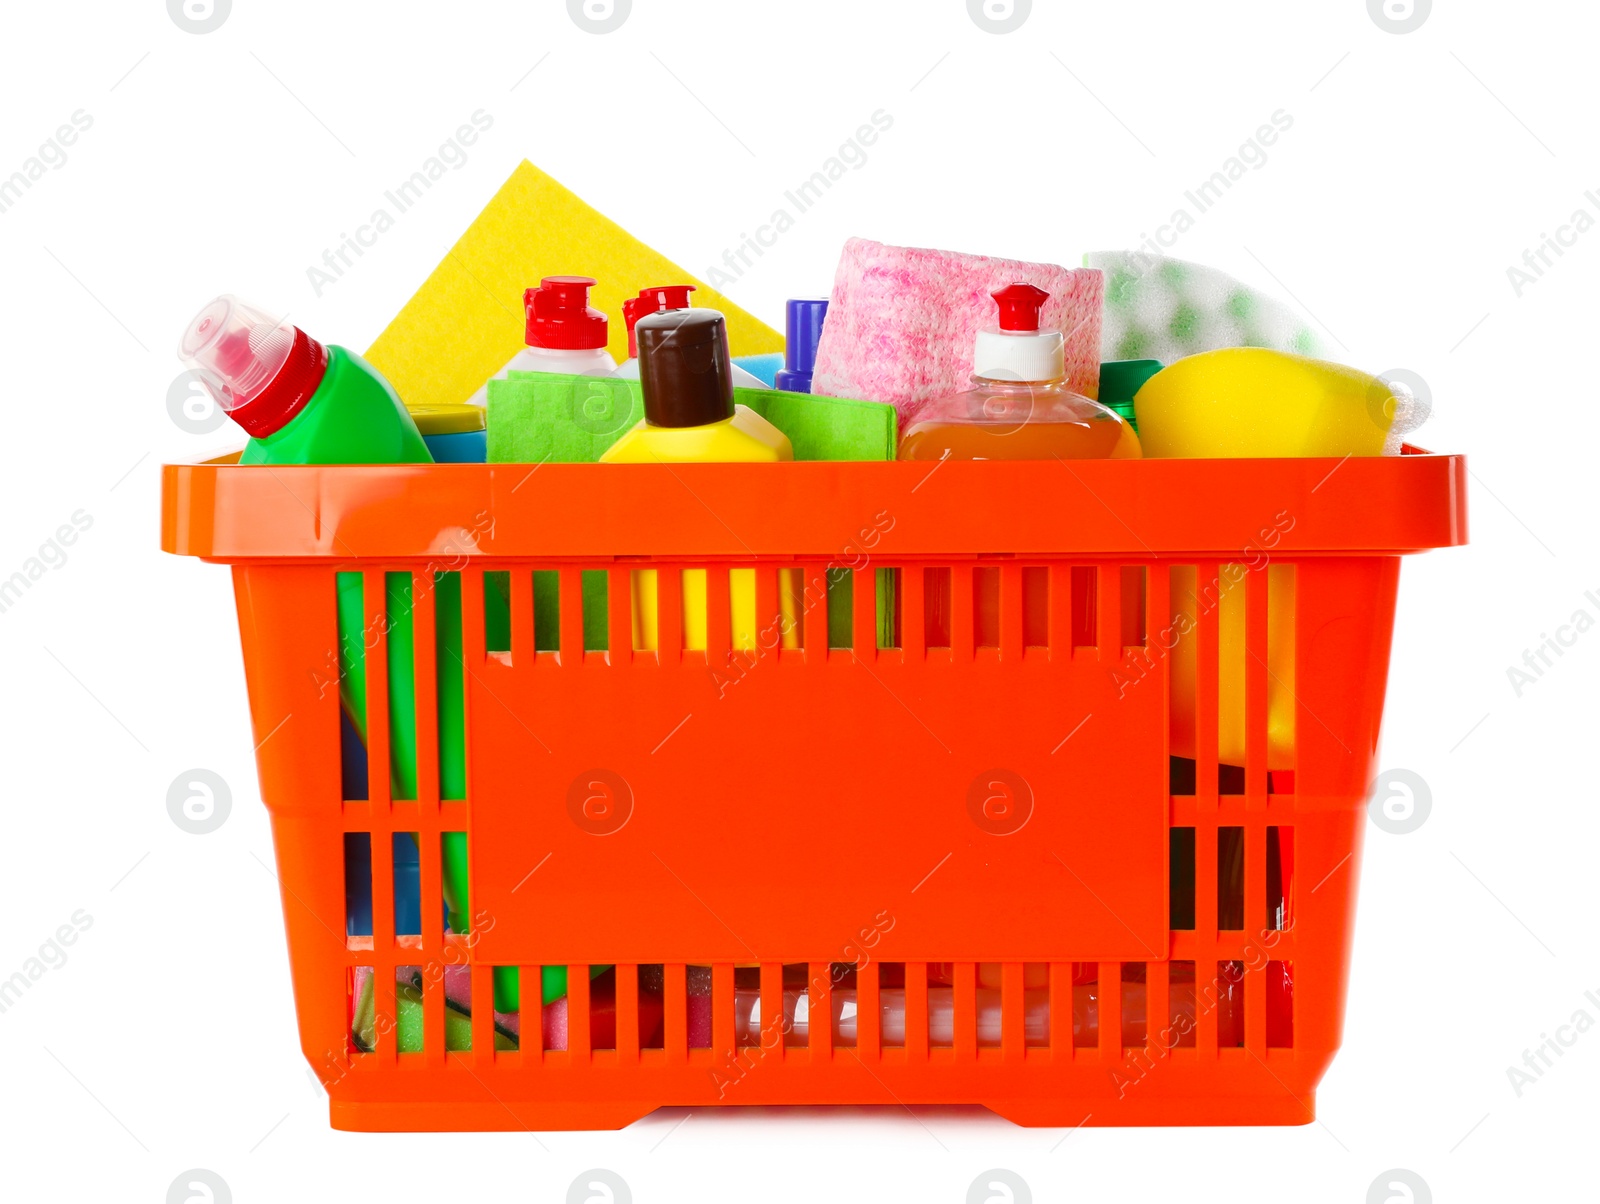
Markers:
(902, 321)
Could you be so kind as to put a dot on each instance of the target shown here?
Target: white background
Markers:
(1418, 169)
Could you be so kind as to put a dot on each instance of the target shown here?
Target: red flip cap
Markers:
(286, 394)
(1019, 307)
(652, 301)
(560, 317)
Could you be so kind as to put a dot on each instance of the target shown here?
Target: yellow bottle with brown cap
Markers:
(686, 379)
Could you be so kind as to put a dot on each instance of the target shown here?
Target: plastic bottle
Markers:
(655, 300)
(802, 328)
(455, 433)
(689, 415)
(1019, 407)
(1120, 380)
(299, 401)
(305, 403)
(564, 334)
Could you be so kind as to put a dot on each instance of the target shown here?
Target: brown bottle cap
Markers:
(684, 371)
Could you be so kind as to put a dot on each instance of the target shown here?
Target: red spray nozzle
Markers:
(652, 301)
(559, 314)
(1019, 306)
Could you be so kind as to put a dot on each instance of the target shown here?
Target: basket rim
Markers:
(837, 511)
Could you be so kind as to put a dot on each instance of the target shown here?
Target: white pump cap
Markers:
(1019, 350)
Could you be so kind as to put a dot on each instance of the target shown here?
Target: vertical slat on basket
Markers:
(1206, 704)
(1255, 788)
(669, 616)
(814, 614)
(676, 1011)
(375, 651)
(722, 1020)
(819, 1013)
(571, 587)
(619, 617)
(719, 618)
(1110, 977)
(1159, 636)
(965, 998)
(578, 1036)
(424, 612)
(913, 613)
(1255, 689)
(424, 615)
(522, 639)
(432, 1009)
(864, 620)
(1013, 1010)
(386, 1032)
(1060, 972)
(1208, 592)
(1160, 1035)
(482, 1057)
(1060, 622)
(769, 614)
(1255, 1001)
(1011, 641)
(530, 1014)
(627, 1039)
(869, 1022)
(374, 640)
(1108, 613)
(472, 633)
(963, 636)
(917, 1005)
(772, 1025)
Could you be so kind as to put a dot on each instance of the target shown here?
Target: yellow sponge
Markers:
(1251, 401)
(466, 320)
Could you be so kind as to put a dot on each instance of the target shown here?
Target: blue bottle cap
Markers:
(802, 329)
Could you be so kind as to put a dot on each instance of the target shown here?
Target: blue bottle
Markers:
(802, 330)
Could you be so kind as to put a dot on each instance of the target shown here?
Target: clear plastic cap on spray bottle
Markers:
(260, 369)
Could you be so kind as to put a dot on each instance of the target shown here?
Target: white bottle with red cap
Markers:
(655, 300)
(564, 333)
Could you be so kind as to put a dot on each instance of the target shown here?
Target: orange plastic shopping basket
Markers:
(925, 857)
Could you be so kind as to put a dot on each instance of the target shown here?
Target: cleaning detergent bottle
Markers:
(303, 402)
(564, 333)
(455, 432)
(802, 328)
(299, 401)
(689, 415)
(656, 300)
(1019, 406)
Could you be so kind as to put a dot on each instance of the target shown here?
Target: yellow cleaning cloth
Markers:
(466, 320)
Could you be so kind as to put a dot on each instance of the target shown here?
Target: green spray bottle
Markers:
(303, 402)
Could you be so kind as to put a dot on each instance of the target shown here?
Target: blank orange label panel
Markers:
(937, 810)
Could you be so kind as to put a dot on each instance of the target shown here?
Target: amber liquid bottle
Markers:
(1019, 408)
(1018, 420)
